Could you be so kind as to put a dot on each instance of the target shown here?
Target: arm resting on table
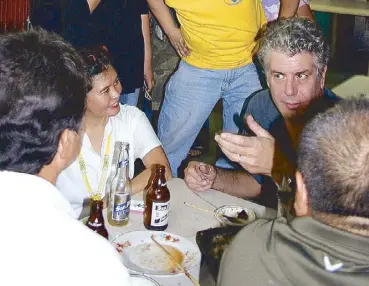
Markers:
(236, 183)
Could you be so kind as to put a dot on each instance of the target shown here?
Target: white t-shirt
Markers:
(130, 125)
(42, 244)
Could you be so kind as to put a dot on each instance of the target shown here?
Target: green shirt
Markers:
(304, 252)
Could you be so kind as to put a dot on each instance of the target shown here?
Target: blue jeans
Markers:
(190, 96)
(130, 98)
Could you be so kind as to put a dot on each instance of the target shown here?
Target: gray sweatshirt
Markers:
(304, 252)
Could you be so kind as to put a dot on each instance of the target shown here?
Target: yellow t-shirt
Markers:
(220, 33)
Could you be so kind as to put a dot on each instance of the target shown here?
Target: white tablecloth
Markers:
(184, 220)
(355, 87)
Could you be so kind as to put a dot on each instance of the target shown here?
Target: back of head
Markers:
(333, 157)
(42, 93)
(293, 36)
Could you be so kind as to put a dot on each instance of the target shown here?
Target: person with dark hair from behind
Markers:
(328, 242)
(42, 103)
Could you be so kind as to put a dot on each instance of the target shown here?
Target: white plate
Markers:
(141, 255)
(232, 211)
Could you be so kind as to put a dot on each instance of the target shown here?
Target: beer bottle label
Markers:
(159, 214)
(122, 203)
(96, 223)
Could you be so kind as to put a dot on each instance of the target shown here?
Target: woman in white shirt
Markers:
(106, 121)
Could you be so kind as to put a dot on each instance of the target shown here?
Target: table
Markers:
(186, 221)
(346, 7)
(356, 86)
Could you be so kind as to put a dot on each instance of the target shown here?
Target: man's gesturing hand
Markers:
(255, 153)
(199, 176)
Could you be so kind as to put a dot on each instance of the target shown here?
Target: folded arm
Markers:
(201, 177)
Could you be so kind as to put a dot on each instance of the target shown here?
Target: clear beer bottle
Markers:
(120, 192)
(96, 219)
(157, 200)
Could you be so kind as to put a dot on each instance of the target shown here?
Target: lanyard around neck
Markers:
(82, 166)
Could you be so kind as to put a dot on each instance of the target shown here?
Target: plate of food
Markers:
(234, 215)
(141, 255)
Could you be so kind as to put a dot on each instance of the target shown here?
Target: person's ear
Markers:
(63, 144)
(301, 205)
(68, 147)
(322, 79)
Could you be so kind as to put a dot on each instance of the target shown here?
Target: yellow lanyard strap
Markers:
(82, 166)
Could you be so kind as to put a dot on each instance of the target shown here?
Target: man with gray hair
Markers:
(328, 242)
(294, 55)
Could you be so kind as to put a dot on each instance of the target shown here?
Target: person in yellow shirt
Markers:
(215, 41)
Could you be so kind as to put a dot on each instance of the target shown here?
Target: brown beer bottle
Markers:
(157, 200)
(96, 219)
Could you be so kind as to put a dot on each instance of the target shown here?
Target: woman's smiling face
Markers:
(103, 98)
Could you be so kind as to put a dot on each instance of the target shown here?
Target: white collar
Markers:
(34, 189)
